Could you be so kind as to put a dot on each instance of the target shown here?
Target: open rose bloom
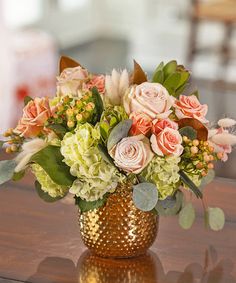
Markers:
(102, 130)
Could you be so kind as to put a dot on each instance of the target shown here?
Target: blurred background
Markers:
(108, 34)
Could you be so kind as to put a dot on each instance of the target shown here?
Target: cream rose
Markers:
(149, 98)
(190, 107)
(35, 114)
(71, 81)
(168, 142)
(132, 154)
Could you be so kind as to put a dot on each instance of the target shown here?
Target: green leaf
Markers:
(1, 143)
(180, 90)
(190, 184)
(105, 155)
(90, 205)
(17, 176)
(159, 67)
(27, 99)
(189, 132)
(119, 132)
(172, 82)
(208, 178)
(145, 196)
(58, 129)
(170, 68)
(187, 216)
(50, 159)
(195, 93)
(7, 168)
(184, 77)
(44, 195)
(215, 218)
(171, 205)
(158, 77)
(98, 104)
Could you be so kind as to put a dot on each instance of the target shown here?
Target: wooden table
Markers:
(40, 242)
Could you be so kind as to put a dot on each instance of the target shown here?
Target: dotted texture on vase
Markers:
(118, 229)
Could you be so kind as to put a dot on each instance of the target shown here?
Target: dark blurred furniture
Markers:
(220, 11)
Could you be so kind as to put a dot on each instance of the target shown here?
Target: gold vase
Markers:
(118, 229)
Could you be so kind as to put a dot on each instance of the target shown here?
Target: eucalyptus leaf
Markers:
(17, 176)
(105, 155)
(1, 143)
(58, 129)
(208, 178)
(7, 168)
(158, 77)
(27, 99)
(119, 132)
(145, 196)
(215, 218)
(170, 68)
(90, 205)
(50, 159)
(190, 184)
(98, 104)
(172, 82)
(44, 195)
(187, 216)
(171, 205)
(189, 132)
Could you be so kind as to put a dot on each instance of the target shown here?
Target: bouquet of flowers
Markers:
(102, 130)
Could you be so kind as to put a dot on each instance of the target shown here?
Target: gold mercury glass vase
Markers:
(118, 229)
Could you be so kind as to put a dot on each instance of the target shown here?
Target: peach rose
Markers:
(141, 124)
(160, 125)
(71, 81)
(190, 107)
(132, 154)
(98, 82)
(35, 114)
(168, 142)
(149, 98)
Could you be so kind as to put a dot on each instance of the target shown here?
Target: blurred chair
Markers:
(221, 11)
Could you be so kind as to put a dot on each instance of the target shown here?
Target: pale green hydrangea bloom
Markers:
(47, 184)
(95, 176)
(163, 171)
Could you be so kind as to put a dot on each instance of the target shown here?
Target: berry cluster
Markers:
(14, 142)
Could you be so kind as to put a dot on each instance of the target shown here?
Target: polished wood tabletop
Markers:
(40, 242)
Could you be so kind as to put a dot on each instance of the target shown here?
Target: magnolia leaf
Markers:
(171, 205)
(58, 129)
(145, 196)
(50, 159)
(171, 83)
(44, 195)
(17, 176)
(190, 184)
(7, 168)
(195, 93)
(119, 132)
(98, 104)
(67, 62)
(90, 205)
(170, 68)
(159, 67)
(189, 132)
(158, 77)
(27, 99)
(105, 155)
(1, 143)
(215, 218)
(184, 77)
(202, 132)
(187, 216)
(138, 76)
(208, 178)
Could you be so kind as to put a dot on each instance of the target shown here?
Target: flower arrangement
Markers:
(99, 131)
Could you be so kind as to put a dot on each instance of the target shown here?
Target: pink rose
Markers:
(149, 98)
(141, 124)
(132, 154)
(98, 82)
(224, 149)
(35, 114)
(168, 142)
(160, 125)
(71, 81)
(190, 107)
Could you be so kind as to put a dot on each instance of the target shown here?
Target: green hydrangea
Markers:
(163, 171)
(95, 176)
(110, 118)
(46, 182)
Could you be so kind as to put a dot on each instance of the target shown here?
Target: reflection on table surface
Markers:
(143, 269)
